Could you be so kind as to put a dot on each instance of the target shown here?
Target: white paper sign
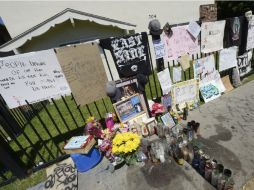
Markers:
(244, 63)
(194, 29)
(227, 58)
(209, 91)
(212, 34)
(33, 77)
(203, 67)
(177, 74)
(165, 81)
(250, 38)
(159, 49)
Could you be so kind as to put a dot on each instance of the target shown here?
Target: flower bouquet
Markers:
(125, 146)
(93, 127)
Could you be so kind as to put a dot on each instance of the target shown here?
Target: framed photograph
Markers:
(129, 108)
(150, 125)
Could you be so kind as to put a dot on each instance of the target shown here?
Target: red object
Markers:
(87, 141)
(157, 109)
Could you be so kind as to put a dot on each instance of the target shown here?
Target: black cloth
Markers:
(233, 32)
(130, 54)
(244, 34)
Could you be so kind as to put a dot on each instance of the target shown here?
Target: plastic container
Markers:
(216, 174)
(85, 162)
(223, 179)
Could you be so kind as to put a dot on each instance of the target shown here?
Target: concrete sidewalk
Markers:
(227, 129)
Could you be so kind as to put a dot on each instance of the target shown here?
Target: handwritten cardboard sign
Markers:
(212, 36)
(62, 175)
(33, 77)
(185, 61)
(227, 83)
(180, 42)
(84, 70)
(185, 91)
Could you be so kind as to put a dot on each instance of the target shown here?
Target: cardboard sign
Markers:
(250, 38)
(62, 175)
(203, 67)
(165, 81)
(212, 36)
(159, 49)
(180, 42)
(227, 58)
(84, 70)
(209, 91)
(244, 63)
(186, 91)
(208, 12)
(185, 61)
(226, 82)
(33, 77)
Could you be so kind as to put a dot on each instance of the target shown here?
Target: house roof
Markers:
(67, 14)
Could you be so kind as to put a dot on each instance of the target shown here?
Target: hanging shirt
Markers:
(244, 34)
(233, 32)
(130, 54)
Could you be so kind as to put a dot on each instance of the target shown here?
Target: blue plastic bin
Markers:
(85, 162)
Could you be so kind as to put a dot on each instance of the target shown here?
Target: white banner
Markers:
(33, 77)
(250, 38)
(227, 58)
(212, 34)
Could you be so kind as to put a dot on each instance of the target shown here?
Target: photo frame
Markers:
(150, 124)
(129, 108)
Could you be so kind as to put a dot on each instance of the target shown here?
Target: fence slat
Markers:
(61, 115)
(39, 137)
(44, 125)
(78, 107)
(66, 105)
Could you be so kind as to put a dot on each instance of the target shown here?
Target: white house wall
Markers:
(21, 16)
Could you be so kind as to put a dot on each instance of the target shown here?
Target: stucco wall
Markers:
(20, 16)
